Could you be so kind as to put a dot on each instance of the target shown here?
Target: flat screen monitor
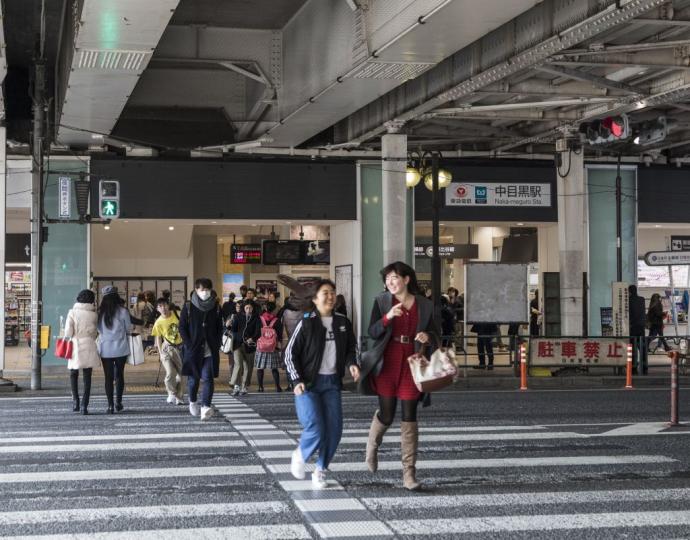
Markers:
(317, 252)
(283, 252)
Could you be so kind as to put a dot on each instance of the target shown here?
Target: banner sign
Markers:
(498, 194)
(621, 306)
(578, 351)
(667, 258)
(65, 198)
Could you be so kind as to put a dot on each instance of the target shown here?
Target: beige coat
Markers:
(81, 326)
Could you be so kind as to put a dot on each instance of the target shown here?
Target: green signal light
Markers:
(109, 208)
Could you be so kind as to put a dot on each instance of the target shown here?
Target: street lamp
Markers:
(435, 179)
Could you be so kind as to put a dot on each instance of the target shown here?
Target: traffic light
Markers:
(654, 131)
(109, 199)
(606, 130)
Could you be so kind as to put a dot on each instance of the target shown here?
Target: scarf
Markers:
(204, 305)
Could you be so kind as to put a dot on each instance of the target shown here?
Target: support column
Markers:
(571, 240)
(3, 202)
(394, 195)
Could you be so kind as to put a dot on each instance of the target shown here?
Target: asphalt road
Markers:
(540, 464)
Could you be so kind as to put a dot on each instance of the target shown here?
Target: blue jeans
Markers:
(206, 383)
(320, 412)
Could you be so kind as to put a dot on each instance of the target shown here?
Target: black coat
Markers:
(244, 329)
(304, 352)
(372, 360)
(196, 327)
(636, 314)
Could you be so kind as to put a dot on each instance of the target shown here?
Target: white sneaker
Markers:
(171, 399)
(194, 408)
(206, 413)
(318, 479)
(236, 390)
(243, 391)
(179, 401)
(297, 464)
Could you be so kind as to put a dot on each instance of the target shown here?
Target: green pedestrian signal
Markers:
(109, 209)
(109, 195)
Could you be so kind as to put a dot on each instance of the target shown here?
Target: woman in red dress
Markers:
(401, 322)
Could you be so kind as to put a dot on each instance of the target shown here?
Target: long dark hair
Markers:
(403, 270)
(110, 303)
(655, 299)
(304, 293)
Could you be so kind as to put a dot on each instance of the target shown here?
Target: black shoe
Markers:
(119, 407)
(279, 389)
(75, 405)
(85, 411)
(260, 389)
(110, 410)
(490, 367)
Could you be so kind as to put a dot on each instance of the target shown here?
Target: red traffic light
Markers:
(615, 124)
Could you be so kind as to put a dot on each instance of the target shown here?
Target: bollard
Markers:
(523, 368)
(674, 388)
(629, 368)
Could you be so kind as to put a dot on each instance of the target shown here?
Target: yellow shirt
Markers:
(168, 329)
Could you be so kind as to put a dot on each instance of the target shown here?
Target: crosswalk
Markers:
(153, 471)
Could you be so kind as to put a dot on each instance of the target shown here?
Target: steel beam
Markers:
(606, 19)
(578, 75)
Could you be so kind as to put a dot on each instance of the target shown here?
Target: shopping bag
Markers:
(136, 350)
(63, 348)
(226, 343)
(435, 373)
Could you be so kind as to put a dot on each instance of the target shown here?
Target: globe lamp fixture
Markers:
(444, 179)
(412, 177)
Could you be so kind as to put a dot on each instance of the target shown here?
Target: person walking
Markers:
(485, 347)
(290, 316)
(637, 320)
(81, 328)
(166, 331)
(267, 347)
(401, 323)
(201, 328)
(246, 329)
(655, 318)
(114, 325)
(322, 346)
(229, 310)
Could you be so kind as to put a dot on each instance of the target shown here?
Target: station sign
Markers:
(498, 194)
(245, 254)
(448, 251)
(578, 352)
(667, 258)
(680, 243)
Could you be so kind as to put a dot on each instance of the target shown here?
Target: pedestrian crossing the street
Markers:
(154, 471)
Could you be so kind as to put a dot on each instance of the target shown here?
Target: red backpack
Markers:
(268, 341)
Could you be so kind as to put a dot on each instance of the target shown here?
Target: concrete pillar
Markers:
(571, 240)
(394, 195)
(3, 202)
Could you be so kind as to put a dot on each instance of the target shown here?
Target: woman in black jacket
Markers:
(246, 329)
(655, 318)
(321, 347)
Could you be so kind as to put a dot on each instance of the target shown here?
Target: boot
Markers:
(87, 392)
(376, 432)
(74, 384)
(409, 437)
(75, 404)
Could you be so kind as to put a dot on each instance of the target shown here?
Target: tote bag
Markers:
(226, 343)
(435, 373)
(63, 348)
(136, 350)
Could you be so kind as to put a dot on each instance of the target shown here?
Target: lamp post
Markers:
(435, 179)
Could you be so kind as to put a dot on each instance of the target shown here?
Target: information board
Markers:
(496, 293)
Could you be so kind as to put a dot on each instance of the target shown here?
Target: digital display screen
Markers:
(283, 252)
(318, 252)
(245, 254)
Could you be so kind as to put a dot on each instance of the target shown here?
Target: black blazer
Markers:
(195, 327)
(372, 359)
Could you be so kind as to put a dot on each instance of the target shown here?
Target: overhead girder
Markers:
(475, 72)
(104, 49)
(601, 82)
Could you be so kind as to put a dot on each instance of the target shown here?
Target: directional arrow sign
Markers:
(666, 258)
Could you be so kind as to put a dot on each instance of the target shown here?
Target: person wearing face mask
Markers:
(81, 327)
(246, 330)
(401, 323)
(201, 328)
(322, 346)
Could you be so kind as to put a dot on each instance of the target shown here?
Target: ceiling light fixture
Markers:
(171, 228)
(107, 227)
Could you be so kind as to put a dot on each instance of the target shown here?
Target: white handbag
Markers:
(226, 343)
(435, 373)
(136, 350)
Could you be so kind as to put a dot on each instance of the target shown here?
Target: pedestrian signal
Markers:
(109, 199)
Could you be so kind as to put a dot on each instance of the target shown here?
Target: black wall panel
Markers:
(491, 172)
(230, 190)
(663, 194)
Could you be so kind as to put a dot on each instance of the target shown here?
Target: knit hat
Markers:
(109, 289)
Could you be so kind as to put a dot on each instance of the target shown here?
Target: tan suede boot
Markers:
(376, 432)
(409, 437)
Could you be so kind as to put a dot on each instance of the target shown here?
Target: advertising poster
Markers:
(232, 284)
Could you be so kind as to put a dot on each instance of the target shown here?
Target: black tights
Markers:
(274, 372)
(387, 407)
(114, 370)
